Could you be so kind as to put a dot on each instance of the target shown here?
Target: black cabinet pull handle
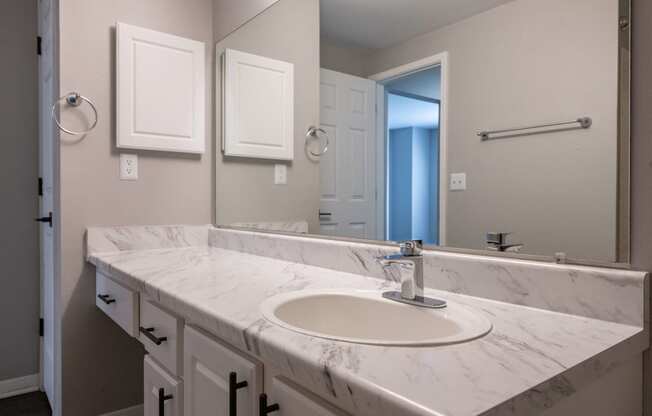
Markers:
(162, 398)
(264, 409)
(106, 299)
(234, 386)
(148, 333)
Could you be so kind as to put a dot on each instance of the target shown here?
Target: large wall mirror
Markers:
(498, 125)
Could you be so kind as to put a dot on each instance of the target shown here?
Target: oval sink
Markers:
(365, 317)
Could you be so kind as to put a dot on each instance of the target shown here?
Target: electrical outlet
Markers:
(128, 167)
(458, 182)
(280, 174)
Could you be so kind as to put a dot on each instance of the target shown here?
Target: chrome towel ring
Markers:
(75, 100)
(313, 134)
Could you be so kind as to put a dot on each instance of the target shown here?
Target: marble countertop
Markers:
(530, 360)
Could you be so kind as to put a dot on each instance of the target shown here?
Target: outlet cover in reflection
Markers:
(458, 182)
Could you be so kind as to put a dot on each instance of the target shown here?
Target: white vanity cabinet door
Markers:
(156, 378)
(294, 402)
(207, 365)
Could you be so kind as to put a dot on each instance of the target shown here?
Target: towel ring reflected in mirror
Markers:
(73, 99)
(316, 133)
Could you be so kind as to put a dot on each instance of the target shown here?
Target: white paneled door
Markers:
(347, 170)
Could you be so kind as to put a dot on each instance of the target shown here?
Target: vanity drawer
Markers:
(118, 302)
(162, 335)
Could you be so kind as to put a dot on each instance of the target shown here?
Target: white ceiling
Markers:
(407, 112)
(381, 23)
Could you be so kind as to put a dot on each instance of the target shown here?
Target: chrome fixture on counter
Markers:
(498, 242)
(410, 266)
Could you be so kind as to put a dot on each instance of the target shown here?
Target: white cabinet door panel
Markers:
(156, 378)
(207, 365)
(293, 402)
(161, 91)
(258, 106)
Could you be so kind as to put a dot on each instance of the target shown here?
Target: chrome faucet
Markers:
(410, 265)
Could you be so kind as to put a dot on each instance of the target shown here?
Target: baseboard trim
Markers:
(137, 410)
(20, 385)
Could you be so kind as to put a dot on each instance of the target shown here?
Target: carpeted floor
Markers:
(30, 404)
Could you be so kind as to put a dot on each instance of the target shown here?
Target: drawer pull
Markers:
(106, 299)
(148, 333)
(264, 409)
(162, 398)
(234, 386)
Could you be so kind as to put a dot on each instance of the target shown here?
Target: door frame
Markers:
(52, 157)
(440, 59)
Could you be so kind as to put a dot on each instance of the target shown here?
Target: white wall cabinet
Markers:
(258, 106)
(161, 390)
(207, 368)
(161, 91)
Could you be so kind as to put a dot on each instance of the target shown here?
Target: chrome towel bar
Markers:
(583, 123)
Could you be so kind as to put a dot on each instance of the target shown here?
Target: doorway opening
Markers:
(384, 176)
(413, 104)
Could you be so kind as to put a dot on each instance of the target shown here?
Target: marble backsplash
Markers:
(614, 295)
(144, 237)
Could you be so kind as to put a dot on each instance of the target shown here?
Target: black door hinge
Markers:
(41, 327)
(39, 41)
(40, 186)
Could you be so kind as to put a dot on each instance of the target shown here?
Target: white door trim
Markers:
(381, 174)
(440, 59)
(49, 161)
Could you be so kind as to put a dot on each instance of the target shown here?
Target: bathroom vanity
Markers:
(561, 338)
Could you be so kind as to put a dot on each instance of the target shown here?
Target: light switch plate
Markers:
(280, 174)
(128, 167)
(458, 182)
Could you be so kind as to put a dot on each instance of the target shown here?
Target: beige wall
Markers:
(228, 15)
(19, 251)
(245, 190)
(102, 366)
(524, 63)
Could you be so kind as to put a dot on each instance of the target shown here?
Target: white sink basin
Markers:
(365, 317)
